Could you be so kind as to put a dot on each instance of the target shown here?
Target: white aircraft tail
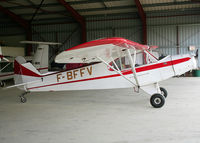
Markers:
(41, 57)
(25, 72)
(2, 57)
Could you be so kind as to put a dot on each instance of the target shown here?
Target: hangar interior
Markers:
(173, 25)
(104, 116)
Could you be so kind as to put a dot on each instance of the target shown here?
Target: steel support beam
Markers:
(143, 19)
(23, 23)
(77, 17)
(36, 11)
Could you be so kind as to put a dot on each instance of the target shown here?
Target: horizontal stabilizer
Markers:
(40, 43)
(22, 84)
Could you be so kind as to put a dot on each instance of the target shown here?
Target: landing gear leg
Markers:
(23, 98)
(163, 92)
(2, 84)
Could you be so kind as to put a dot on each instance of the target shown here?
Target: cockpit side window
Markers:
(123, 62)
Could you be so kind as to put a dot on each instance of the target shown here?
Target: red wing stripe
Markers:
(115, 41)
(126, 72)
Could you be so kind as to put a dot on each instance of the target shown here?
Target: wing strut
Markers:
(116, 65)
(151, 56)
(5, 67)
(132, 63)
(118, 71)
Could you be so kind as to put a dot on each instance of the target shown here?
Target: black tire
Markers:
(157, 100)
(23, 99)
(163, 92)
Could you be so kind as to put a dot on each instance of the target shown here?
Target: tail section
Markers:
(24, 72)
(41, 56)
(2, 57)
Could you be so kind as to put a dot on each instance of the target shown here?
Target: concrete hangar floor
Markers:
(103, 116)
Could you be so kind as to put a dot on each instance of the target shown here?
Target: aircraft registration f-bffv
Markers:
(108, 63)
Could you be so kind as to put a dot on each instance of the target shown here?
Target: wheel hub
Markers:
(157, 100)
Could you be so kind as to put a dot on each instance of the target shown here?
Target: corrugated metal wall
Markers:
(58, 33)
(68, 34)
(114, 26)
(11, 34)
(170, 33)
(164, 37)
(162, 31)
(189, 35)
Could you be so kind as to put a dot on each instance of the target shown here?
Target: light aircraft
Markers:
(40, 60)
(4, 75)
(107, 64)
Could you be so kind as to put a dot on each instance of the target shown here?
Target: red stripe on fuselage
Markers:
(160, 65)
(126, 72)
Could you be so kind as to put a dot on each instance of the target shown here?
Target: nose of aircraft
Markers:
(195, 61)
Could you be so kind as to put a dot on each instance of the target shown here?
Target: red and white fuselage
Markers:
(100, 76)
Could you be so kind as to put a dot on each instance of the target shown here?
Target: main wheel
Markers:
(157, 100)
(23, 99)
(163, 92)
